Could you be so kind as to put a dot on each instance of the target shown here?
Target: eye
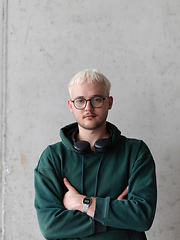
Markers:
(79, 100)
(97, 99)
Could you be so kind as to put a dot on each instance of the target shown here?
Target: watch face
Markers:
(87, 200)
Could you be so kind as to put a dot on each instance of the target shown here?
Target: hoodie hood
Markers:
(66, 135)
(67, 131)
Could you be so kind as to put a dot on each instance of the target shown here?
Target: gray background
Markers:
(44, 43)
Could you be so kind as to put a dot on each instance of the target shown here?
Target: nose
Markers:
(88, 105)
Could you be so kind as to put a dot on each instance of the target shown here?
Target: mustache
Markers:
(88, 114)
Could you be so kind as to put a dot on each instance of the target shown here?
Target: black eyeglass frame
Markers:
(90, 101)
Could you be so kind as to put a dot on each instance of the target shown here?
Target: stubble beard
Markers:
(95, 125)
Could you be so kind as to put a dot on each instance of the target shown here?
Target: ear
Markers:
(110, 102)
(70, 105)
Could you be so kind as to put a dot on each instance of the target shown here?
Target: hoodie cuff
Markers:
(102, 206)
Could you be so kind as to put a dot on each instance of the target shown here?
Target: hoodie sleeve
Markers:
(55, 221)
(138, 210)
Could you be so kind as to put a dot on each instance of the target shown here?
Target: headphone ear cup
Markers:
(81, 147)
(102, 145)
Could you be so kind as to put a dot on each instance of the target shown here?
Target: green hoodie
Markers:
(103, 175)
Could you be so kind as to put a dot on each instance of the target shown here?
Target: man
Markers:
(96, 183)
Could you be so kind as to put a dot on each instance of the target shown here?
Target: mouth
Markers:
(89, 116)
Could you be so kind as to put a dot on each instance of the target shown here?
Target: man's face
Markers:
(90, 118)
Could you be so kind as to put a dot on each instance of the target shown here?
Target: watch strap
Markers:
(85, 208)
(86, 203)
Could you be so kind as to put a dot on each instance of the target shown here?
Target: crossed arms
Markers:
(73, 200)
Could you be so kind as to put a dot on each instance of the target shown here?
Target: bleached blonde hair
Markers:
(89, 75)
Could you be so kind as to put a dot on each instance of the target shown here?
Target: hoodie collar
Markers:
(67, 131)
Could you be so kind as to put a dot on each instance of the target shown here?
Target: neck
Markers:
(92, 135)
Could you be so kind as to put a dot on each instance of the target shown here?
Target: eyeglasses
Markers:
(96, 102)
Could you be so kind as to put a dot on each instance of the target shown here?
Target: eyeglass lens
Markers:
(96, 102)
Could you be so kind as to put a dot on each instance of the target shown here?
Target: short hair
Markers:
(89, 75)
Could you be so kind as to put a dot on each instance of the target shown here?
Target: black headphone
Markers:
(83, 147)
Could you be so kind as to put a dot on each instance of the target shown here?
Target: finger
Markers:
(123, 194)
(68, 185)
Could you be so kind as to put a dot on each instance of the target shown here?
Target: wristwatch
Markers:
(86, 203)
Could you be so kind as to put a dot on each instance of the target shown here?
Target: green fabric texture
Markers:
(103, 175)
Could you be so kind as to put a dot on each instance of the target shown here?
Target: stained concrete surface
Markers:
(136, 44)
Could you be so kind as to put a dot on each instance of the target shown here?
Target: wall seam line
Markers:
(4, 116)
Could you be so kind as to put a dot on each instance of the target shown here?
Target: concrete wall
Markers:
(136, 44)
